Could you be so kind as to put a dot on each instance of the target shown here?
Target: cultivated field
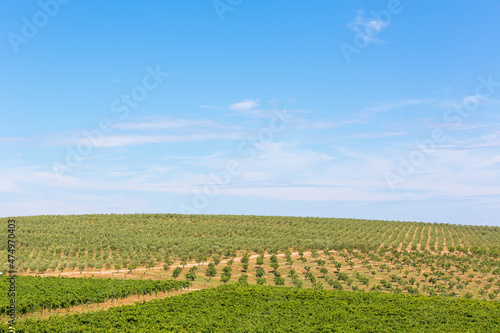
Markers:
(111, 260)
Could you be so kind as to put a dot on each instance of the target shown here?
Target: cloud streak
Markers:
(367, 28)
(245, 105)
(133, 140)
(394, 105)
(162, 124)
(377, 135)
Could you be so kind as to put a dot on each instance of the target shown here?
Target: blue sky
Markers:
(364, 109)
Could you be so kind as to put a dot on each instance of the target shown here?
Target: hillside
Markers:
(142, 254)
(50, 243)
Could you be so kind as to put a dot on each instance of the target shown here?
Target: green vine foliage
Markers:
(37, 294)
(244, 308)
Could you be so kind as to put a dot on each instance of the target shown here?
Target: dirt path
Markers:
(461, 238)
(236, 259)
(451, 237)
(438, 238)
(429, 234)
(121, 301)
(383, 237)
(394, 244)
(443, 235)
(412, 242)
(130, 300)
(410, 229)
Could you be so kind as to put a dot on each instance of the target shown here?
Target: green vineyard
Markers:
(242, 308)
(35, 293)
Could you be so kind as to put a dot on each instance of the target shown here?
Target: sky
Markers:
(382, 110)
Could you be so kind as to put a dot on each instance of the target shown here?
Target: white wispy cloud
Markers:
(368, 28)
(129, 140)
(14, 178)
(281, 171)
(486, 141)
(324, 124)
(393, 105)
(377, 135)
(245, 105)
(161, 124)
(211, 107)
(11, 140)
(157, 130)
(463, 102)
